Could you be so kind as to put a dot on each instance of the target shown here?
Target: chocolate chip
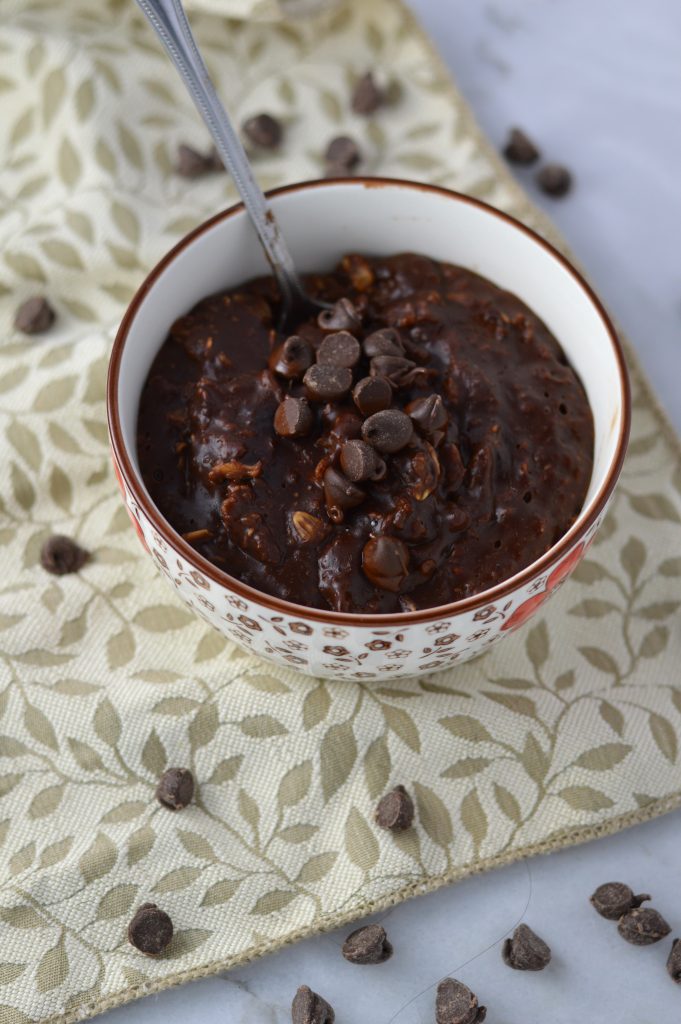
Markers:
(339, 349)
(429, 414)
(395, 810)
(613, 899)
(456, 1004)
(643, 926)
(385, 561)
(367, 96)
(192, 164)
(342, 316)
(387, 431)
(343, 152)
(368, 945)
(372, 394)
(397, 369)
(175, 788)
(60, 555)
(326, 383)
(554, 180)
(293, 418)
(674, 962)
(385, 342)
(292, 358)
(263, 130)
(359, 461)
(340, 494)
(150, 930)
(520, 149)
(34, 316)
(310, 1008)
(525, 951)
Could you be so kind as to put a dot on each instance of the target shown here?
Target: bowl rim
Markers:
(328, 616)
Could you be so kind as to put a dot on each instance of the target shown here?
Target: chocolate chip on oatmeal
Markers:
(397, 369)
(293, 418)
(263, 130)
(456, 1004)
(367, 95)
(367, 945)
(429, 414)
(525, 951)
(34, 316)
(192, 164)
(519, 148)
(359, 461)
(385, 562)
(372, 394)
(339, 349)
(674, 962)
(340, 494)
(175, 788)
(150, 930)
(310, 1008)
(326, 383)
(60, 555)
(341, 316)
(395, 810)
(292, 358)
(613, 899)
(554, 180)
(343, 152)
(642, 926)
(388, 431)
(384, 342)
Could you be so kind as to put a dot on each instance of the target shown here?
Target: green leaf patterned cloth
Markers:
(569, 730)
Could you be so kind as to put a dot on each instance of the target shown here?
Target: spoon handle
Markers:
(169, 21)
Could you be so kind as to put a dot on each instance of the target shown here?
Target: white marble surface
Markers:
(598, 85)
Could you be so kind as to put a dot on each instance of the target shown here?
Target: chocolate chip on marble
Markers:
(613, 899)
(520, 149)
(150, 930)
(456, 1004)
(384, 342)
(327, 383)
(340, 494)
(395, 810)
(554, 180)
(263, 130)
(674, 962)
(397, 369)
(642, 926)
(339, 349)
(60, 555)
(293, 417)
(175, 788)
(525, 951)
(341, 316)
(359, 461)
(372, 394)
(428, 413)
(385, 562)
(192, 164)
(367, 945)
(388, 431)
(309, 1008)
(367, 95)
(292, 358)
(34, 316)
(343, 152)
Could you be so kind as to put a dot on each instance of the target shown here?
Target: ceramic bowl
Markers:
(322, 220)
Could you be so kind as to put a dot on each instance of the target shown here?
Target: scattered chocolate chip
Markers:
(367, 95)
(342, 316)
(175, 788)
(34, 316)
(326, 383)
(368, 945)
(385, 562)
(343, 152)
(292, 358)
(397, 369)
(150, 930)
(642, 926)
(384, 342)
(388, 431)
(456, 1004)
(520, 149)
(613, 899)
(554, 180)
(310, 1008)
(359, 461)
(60, 555)
(293, 418)
(263, 130)
(525, 951)
(309, 529)
(674, 962)
(372, 394)
(338, 171)
(429, 414)
(192, 164)
(340, 494)
(339, 349)
(395, 810)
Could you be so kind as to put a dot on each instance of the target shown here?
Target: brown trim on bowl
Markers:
(349, 618)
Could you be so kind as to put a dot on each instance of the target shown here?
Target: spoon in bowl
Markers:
(169, 21)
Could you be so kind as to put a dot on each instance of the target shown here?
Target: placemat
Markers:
(567, 731)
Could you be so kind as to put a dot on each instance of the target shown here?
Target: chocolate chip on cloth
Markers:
(192, 164)
(293, 418)
(34, 316)
(525, 951)
(520, 149)
(339, 349)
(326, 383)
(674, 962)
(292, 358)
(263, 130)
(554, 180)
(60, 555)
(310, 1008)
(150, 930)
(643, 926)
(367, 945)
(341, 316)
(613, 899)
(367, 96)
(175, 788)
(342, 153)
(372, 394)
(456, 1004)
(387, 431)
(395, 810)
(359, 461)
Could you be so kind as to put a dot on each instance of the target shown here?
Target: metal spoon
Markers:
(169, 21)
